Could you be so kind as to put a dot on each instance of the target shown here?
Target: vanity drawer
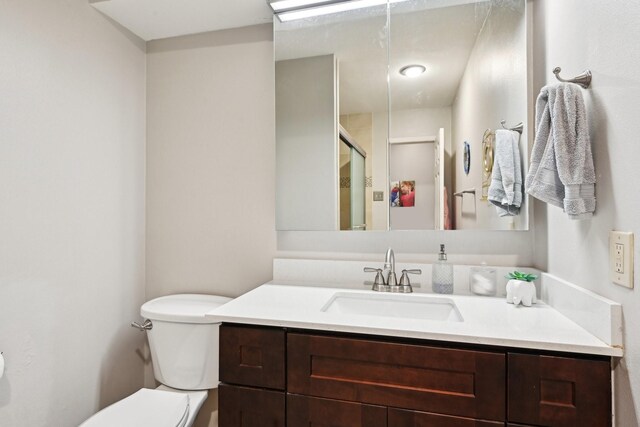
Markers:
(252, 356)
(304, 411)
(404, 418)
(250, 407)
(432, 379)
(559, 391)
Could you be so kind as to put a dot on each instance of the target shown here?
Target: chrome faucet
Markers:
(389, 268)
(386, 279)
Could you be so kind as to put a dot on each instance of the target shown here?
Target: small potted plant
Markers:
(520, 288)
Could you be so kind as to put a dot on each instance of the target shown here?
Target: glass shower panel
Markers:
(345, 186)
(358, 213)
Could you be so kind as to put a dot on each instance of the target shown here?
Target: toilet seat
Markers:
(144, 408)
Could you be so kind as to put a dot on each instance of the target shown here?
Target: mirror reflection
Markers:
(386, 118)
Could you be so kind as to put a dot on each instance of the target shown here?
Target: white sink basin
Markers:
(392, 305)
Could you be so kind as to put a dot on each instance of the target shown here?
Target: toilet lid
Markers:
(144, 408)
(182, 308)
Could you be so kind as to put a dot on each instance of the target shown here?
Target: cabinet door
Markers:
(252, 356)
(250, 407)
(441, 380)
(304, 411)
(558, 391)
(405, 418)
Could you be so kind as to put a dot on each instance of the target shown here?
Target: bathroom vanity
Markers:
(282, 376)
(290, 357)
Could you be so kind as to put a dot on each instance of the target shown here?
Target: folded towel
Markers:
(561, 171)
(505, 190)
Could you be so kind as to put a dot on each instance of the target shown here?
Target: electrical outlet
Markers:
(378, 196)
(621, 258)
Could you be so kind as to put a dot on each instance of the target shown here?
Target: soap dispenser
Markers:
(442, 274)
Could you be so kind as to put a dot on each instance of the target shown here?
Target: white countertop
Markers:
(487, 320)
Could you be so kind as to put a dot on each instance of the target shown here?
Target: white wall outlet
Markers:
(621, 258)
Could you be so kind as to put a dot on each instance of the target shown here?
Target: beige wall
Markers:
(493, 88)
(72, 141)
(425, 122)
(306, 144)
(602, 36)
(72, 163)
(210, 165)
(575, 35)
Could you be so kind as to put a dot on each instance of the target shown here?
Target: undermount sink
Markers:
(389, 305)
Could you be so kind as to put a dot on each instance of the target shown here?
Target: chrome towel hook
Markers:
(583, 79)
(518, 128)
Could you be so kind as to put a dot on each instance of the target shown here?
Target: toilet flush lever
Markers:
(146, 326)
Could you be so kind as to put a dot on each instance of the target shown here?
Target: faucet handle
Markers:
(378, 283)
(404, 279)
(412, 271)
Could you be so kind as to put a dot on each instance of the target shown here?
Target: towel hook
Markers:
(583, 79)
(517, 128)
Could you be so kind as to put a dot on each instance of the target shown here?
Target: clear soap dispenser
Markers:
(442, 274)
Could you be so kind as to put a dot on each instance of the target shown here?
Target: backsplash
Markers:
(350, 273)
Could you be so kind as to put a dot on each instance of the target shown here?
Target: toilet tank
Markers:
(183, 342)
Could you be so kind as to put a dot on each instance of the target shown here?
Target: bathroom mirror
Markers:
(375, 106)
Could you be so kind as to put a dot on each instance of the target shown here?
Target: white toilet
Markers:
(184, 354)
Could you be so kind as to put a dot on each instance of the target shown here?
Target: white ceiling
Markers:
(439, 38)
(436, 33)
(159, 19)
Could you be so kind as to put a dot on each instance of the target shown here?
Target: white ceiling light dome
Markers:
(413, 70)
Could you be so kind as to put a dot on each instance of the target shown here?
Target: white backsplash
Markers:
(350, 274)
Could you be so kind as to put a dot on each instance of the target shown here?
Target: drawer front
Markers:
(252, 356)
(558, 391)
(304, 411)
(455, 382)
(250, 407)
(405, 418)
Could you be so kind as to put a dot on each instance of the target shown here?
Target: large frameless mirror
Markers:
(388, 117)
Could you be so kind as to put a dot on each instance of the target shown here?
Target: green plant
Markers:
(516, 275)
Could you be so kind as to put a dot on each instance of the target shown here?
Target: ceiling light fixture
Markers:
(289, 10)
(413, 70)
(281, 5)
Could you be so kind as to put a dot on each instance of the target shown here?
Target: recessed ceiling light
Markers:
(413, 70)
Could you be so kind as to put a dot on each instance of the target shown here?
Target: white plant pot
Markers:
(521, 292)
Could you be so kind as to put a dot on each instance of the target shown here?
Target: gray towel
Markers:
(561, 171)
(505, 190)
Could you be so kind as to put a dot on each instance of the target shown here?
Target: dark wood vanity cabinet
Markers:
(433, 379)
(250, 407)
(305, 411)
(559, 391)
(299, 378)
(253, 356)
(253, 372)
(405, 418)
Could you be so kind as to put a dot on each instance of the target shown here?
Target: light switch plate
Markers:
(621, 258)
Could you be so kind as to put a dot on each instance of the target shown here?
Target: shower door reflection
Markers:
(352, 184)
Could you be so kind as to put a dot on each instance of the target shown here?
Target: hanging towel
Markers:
(505, 190)
(447, 218)
(561, 171)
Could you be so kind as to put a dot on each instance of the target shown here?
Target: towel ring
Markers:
(583, 79)
(487, 150)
